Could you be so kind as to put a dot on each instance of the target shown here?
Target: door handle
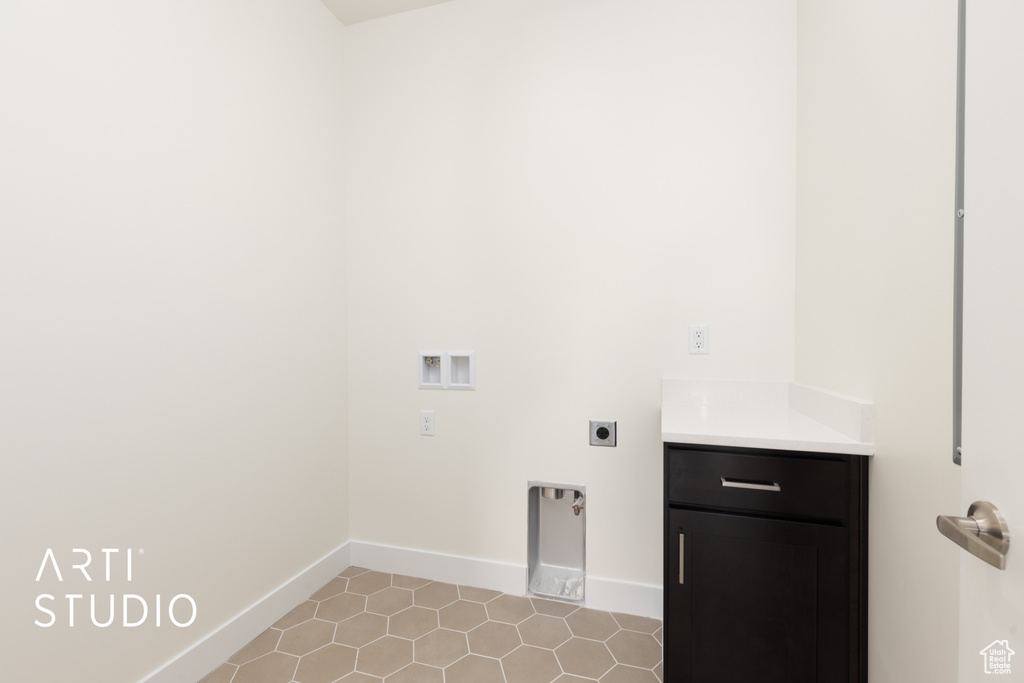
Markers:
(983, 532)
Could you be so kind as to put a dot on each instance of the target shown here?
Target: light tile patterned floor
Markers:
(370, 627)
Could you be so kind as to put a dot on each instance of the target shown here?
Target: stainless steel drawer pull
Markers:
(750, 484)
(682, 539)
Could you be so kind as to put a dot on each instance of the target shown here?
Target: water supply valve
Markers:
(577, 504)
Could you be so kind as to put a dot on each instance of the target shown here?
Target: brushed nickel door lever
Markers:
(983, 532)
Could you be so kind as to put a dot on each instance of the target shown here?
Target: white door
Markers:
(992, 601)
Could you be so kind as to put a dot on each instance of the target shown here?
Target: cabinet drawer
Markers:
(796, 486)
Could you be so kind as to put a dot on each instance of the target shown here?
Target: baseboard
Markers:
(213, 650)
(465, 571)
(603, 594)
(641, 599)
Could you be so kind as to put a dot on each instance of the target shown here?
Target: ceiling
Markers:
(354, 11)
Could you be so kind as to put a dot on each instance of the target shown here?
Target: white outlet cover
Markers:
(699, 339)
(427, 425)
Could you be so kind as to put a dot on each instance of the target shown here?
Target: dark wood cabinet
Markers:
(765, 566)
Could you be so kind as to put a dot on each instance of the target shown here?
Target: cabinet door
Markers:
(753, 600)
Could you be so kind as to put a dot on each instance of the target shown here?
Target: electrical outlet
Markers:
(698, 339)
(602, 433)
(426, 423)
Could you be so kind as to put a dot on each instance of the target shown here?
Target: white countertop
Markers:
(776, 415)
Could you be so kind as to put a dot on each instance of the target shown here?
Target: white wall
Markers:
(562, 187)
(877, 85)
(172, 298)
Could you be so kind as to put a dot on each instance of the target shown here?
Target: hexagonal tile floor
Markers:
(370, 627)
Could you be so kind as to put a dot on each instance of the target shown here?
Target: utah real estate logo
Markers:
(997, 657)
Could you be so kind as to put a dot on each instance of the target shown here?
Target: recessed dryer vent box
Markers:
(557, 541)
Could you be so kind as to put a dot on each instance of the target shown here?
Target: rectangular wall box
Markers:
(461, 370)
(431, 370)
(557, 541)
(447, 370)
